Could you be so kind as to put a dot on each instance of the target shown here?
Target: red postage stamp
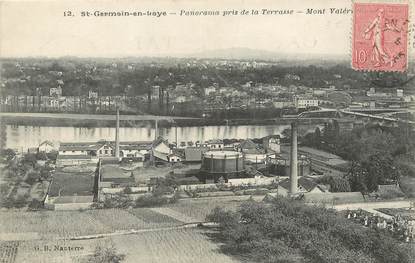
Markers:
(380, 37)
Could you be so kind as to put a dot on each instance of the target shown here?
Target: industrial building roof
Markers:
(307, 183)
(319, 152)
(194, 154)
(248, 144)
(90, 146)
(223, 154)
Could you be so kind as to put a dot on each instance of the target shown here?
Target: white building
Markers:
(302, 103)
(46, 146)
(214, 144)
(55, 91)
(209, 90)
(92, 94)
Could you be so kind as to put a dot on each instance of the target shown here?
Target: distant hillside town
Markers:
(210, 88)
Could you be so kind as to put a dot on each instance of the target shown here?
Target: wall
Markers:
(70, 152)
(255, 158)
(232, 182)
(72, 162)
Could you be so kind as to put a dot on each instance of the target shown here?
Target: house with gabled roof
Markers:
(247, 145)
(305, 185)
(175, 156)
(160, 149)
(46, 146)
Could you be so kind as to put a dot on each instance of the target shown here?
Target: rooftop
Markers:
(194, 154)
(305, 182)
(90, 146)
(222, 154)
(248, 144)
(318, 152)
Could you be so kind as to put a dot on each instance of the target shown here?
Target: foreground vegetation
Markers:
(289, 231)
(378, 155)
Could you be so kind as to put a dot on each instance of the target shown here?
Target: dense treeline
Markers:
(118, 77)
(378, 155)
(290, 231)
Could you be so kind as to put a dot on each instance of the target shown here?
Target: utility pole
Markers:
(117, 135)
(293, 160)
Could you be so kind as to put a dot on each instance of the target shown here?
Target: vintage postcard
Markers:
(181, 131)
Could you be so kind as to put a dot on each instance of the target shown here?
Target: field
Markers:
(173, 246)
(65, 224)
(181, 246)
(33, 236)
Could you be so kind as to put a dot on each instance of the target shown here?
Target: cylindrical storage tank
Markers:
(222, 162)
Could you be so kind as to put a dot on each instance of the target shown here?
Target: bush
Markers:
(116, 201)
(258, 231)
(106, 255)
(154, 200)
(35, 204)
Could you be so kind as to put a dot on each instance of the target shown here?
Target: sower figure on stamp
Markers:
(376, 28)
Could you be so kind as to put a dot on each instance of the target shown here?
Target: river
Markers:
(22, 137)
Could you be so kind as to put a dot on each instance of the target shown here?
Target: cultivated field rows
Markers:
(170, 246)
(199, 209)
(63, 224)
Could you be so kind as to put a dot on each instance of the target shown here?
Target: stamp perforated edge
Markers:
(410, 49)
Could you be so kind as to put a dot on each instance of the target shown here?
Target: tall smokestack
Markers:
(293, 160)
(156, 135)
(117, 135)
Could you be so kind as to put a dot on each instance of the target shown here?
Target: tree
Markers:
(286, 229)
(41, 156)
(35, 204)
(317, 137)
(30, 159)
(32, 177)
(357, 177)
(106, 255)
(286, 135)
(8, 154)
(381, 170)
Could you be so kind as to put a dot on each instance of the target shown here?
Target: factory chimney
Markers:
(117, 135)
(156, 132)
(293, 160)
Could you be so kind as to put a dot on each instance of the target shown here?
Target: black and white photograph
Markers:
(180, 131)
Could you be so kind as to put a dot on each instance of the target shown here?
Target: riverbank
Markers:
(99, 120)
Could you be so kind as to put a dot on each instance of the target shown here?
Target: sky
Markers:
(39, 28)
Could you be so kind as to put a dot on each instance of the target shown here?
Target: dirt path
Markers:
(374, 205)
